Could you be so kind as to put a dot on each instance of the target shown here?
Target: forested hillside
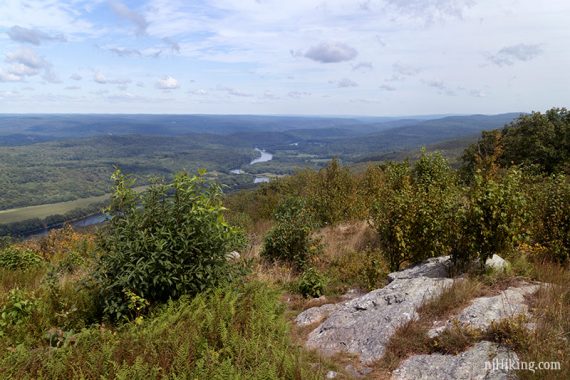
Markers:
(54, 158)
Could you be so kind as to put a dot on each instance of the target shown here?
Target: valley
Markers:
(60, 165)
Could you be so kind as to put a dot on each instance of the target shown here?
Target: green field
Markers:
(43, 211)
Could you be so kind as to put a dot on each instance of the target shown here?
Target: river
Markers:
(265, 156)
(87, 221)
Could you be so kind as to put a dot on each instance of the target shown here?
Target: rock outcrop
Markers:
(483, 361)
(482, 311)
(364, 325)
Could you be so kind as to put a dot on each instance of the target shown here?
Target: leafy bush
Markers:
(290, 240)
(334, 195)
(15, 311)
(14, 258)
(312, 283)
(551, 216)
(168, 241)
(415, 211)
(493, 219)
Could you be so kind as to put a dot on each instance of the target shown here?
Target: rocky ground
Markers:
(362, 327)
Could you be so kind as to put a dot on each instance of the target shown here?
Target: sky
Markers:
(301, 57)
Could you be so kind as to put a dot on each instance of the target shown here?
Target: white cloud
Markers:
(363, 66)
(125, 52)
(6, 76)
(128, 14)
(75, 76)
(509, 55)
(440, 86)
(345, 83)
(100, 78)
(199, 92)
(387, 87)
(167, 83)
(330, 52)
(234, 92)
(27, 57)
(26, 63)
(298, 94)
(430, 10)
(32, 36)
(174, 46)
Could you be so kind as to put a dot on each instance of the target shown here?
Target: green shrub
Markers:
(415, 211)
(312, 283)
(15, 311)
(493, 219)
(290, 239)
(168, 241)
(334, 195)
(72, 261)
(14, 258)
(551, 216)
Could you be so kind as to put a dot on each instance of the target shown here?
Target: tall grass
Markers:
(229, 333)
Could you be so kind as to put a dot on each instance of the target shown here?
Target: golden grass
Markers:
(347, 237)
(550, 341)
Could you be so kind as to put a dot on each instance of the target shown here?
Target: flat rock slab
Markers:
(364, 325)
(483, 311)
(473, 364)
(437, 267)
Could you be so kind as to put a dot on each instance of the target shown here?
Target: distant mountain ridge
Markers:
(66, 126)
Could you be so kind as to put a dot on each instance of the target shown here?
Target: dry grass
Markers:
(453, 299)
(550, 341)
(410, 339)
(347, 237)
(279, 274)
(25, 280)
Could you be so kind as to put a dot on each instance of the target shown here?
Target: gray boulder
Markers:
(483, 361)
(364, 325)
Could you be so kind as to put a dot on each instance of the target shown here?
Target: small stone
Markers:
(331, 375)
(497, 263)
(357, 372)
(233, 256)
